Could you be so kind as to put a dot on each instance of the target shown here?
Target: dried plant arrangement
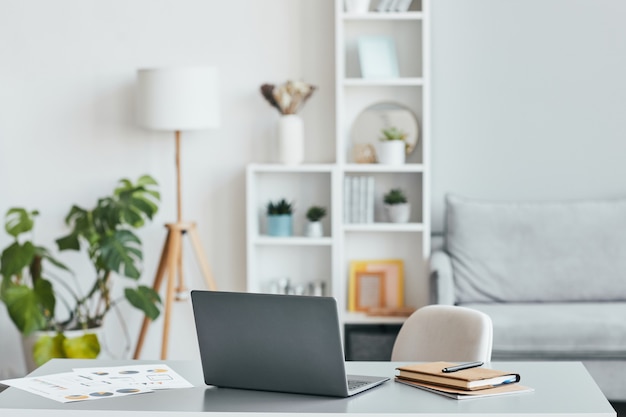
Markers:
(287, 98)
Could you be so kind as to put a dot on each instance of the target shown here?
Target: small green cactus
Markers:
(315, 213)
(395, 196)
(280, 207)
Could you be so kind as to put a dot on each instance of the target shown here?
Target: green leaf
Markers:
(27, 306)
(45, 297)
(16, 257)
(49, 347)
(68, 242)
(121, 252)
(145, 299)
(18, 221)
(146, 180)
(43, 252)
(86, 346)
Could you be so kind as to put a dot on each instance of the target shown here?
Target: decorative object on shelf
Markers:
(371, 279)
(392, 147)
(357, 6)
(381, 116)
(279, 221)
(397, 208)
(369, 289)
(284, 286)
(358, 199)
(377, 57)
(364, 153)
(393, 5)
(113, 249)
(288, 99)
(177, 99)
(314, 227)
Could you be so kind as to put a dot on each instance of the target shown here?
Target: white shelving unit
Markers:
(304, 260)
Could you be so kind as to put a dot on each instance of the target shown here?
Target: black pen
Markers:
(462, 366)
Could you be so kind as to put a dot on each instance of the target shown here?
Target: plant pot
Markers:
(28, 342)
(391, 152)
(314, 229)
(398, 213)
(290, 139)
(279, 225)
(357, 6)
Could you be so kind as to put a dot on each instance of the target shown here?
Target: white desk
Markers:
(561, 388)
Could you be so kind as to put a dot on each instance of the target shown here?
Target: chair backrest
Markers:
(445, 333)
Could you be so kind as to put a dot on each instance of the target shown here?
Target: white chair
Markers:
(445, 333)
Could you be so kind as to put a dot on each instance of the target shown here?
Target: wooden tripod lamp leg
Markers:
(204, 265)
(158, 279)
(172, 263)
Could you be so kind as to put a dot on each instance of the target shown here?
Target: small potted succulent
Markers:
(392, 147)
(397, 208)
(279, 218)
(314, 227)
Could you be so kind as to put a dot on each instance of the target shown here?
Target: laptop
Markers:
(267, 342)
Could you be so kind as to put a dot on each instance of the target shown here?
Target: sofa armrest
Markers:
(441, 279)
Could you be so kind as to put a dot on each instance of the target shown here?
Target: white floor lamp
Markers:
(177, 99)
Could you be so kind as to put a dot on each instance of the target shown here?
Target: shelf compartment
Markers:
(382, 82)
(293, 241)
(290, 168)
(406, 36)
(350, 317)
(384, 227)
(355, 168)
(301, 265)
(383, 16)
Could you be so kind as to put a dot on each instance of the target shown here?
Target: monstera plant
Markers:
(106, 234)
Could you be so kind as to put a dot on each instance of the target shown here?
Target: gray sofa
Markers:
(551, 275)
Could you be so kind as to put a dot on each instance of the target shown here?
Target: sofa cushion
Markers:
(557, 330)
(537, 251)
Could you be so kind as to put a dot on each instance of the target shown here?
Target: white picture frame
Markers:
(377, 57)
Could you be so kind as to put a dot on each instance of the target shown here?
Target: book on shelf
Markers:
(459, 394)
(358, 199)
(466, 379)
(347, 198)
(384, 5)
(402, 5)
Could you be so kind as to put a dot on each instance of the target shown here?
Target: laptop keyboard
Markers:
(354, 384)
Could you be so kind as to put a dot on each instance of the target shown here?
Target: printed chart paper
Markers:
(102, 382)
(154, 377)
(68, 387)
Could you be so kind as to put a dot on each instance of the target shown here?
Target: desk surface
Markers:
(563, 388)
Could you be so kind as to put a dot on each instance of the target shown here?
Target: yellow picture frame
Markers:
(393, 291)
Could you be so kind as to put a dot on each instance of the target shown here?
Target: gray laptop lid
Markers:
(271, 342)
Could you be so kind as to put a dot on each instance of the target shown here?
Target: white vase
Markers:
(314, 229)
(391, 152)
(290, 139)
(398, 213)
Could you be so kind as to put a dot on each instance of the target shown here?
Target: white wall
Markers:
(67, 134)
(528, 102)
(528, 99)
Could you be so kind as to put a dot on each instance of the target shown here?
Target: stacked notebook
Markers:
(466, 383)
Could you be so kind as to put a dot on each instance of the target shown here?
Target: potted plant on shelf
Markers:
(279, 218)
(113, 249)
(392, 146)
(314, 227)
(397, 208)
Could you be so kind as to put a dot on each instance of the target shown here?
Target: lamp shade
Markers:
(178, 98)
